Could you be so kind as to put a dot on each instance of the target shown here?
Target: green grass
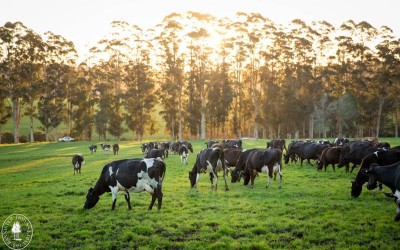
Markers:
(313, 210)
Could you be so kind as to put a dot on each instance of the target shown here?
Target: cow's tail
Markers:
(163, 170)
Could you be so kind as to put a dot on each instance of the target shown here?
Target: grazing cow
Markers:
(291, 152)
(77, 162)
(156, 154)
(277, 143)
(238, 171)
(329, 156)
(380, 157)
(93, 148)
(267, 161)
(388, 175)
(184, 154)
(106, 148)
(115, 149)
(133, 175)
(208, 161)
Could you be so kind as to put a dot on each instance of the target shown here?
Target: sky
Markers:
(84, 22)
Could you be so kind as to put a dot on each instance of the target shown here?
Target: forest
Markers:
(206, 77)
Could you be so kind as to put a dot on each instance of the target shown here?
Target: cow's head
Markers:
(235, 174)
(355, 189)
(372, 181)
(192, 178)
(286, 158)
(91, 199)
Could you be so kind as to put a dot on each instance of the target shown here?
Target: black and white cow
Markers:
(129, 175)
(388, 175)
(208, 161)
(106, 148)
(156, 154)
(237, 172)
(267, 161)
(380, 157)
(184, 154)
(115, 149)
(93, 148)
(77, 161)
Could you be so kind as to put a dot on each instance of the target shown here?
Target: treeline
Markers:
(226, 78)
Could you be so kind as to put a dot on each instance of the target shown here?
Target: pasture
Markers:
(313, 210)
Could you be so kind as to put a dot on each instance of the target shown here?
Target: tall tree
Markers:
(23, 53)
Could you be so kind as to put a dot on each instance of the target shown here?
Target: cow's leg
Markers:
(114, 193)
(397, 199)
(280, 176)
(253, 174)
(333, 166)
(215, 182)
(352, 168)
(226, 183)
(128, 199)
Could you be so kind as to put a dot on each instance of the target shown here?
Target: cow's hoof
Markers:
(251, 187)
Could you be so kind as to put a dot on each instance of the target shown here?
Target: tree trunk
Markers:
(16, 118)
(311, 127)
(378, 122)
(203, 118)
(31, 129)
(396, 122)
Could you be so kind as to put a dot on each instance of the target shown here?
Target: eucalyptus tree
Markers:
(140, 98)
(5, 113)
(57, 87)
(20, 66)
(386, 76)
(172, 60)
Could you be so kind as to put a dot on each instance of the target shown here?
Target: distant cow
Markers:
(380, 157)
(184, 154)
(165, 146)
(93, 148)
(329, 156)
(388, 175)
(267, 161)
(277, 143)
(305, 151)
(208, 161)
(106, 148)
(156, 153)
(115, 149)
(77, 162)
(135, 175)
(188, 145)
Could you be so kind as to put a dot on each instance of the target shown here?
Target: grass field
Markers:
(313, 210)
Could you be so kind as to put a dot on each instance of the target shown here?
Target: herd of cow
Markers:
(378, 161)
